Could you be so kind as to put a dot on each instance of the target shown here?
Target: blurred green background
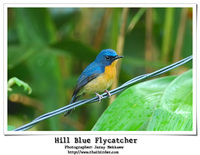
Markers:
(48, 48)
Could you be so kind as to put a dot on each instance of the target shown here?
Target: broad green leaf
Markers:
(175, 109)
(134, 107)
(145, 106)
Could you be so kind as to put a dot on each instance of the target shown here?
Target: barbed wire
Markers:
(104, 95)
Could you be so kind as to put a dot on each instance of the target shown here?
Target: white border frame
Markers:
(100, 5)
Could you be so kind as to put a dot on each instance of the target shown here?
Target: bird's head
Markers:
(107, 57)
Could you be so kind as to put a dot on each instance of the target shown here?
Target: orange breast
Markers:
(110, 71)
(103, 81)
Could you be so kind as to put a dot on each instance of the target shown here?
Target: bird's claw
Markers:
(109, 95)
(99, 96)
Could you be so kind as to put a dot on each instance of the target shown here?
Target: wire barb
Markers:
(104, 95)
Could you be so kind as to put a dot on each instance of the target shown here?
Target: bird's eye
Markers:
(107, 57)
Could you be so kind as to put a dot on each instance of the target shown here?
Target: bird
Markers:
(98, 76)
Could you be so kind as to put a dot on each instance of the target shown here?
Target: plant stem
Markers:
(166, 44)
(101, 30)
(180, 35)
(135, 19)
(149, 43)
(120, 47)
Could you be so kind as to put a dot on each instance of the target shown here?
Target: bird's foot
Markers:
(109, 95)
(99, 96)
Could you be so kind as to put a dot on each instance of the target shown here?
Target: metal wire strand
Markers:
(105, 95)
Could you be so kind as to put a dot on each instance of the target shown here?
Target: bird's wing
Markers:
(91, 72)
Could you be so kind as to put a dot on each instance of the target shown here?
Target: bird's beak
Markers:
(118, 57)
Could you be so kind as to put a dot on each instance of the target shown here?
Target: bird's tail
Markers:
(74, 98)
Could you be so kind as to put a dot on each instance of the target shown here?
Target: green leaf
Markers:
(145, 106)
(34, 26)
(19, 82)
(10, 127)
(175, 108)
(18, 54)
(76, 48)
(47, 83)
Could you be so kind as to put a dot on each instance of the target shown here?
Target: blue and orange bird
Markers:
(97, 76)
